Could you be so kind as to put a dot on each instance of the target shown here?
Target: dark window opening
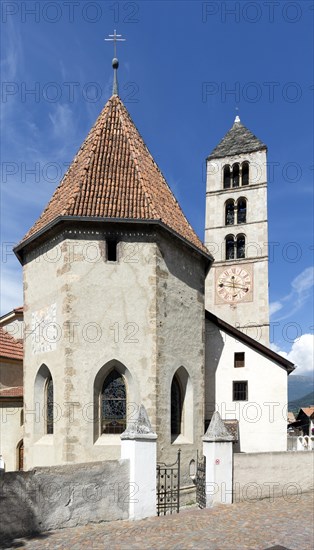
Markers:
(49, 406)
(229, 218)
(236, 175)
(241, 214)
(240, 392)
(112, 251)
(113, 406)
(240, 247)
(238, 360)
(227, 177)
(230, 247)
(176, 407)
(245, 173)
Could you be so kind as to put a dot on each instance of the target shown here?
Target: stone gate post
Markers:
(217, 448)
(139, 445)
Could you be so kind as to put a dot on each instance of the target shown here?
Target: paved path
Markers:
(281, 524)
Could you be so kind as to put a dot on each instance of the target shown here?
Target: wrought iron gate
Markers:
(168, 487)
(200, 480)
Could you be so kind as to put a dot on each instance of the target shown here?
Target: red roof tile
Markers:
(9, 346)
(12, 392)
(114, 176)
(308, 410)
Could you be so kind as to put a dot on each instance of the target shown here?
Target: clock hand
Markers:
(234, 285)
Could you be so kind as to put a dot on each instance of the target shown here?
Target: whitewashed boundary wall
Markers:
(270, 475)
(43, 499)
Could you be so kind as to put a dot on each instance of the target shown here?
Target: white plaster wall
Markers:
(112, 311)
(11, 432)
(180, 343)
(262, 475)
(262, 419)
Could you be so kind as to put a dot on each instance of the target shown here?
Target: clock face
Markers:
(234, 284)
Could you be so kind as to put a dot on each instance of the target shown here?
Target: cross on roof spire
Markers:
(115, 62)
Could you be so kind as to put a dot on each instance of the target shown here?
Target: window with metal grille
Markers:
(238, 360)
(240, 391)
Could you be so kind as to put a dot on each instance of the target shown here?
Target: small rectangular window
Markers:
(112, 251)
(239, 360)
(240, 391)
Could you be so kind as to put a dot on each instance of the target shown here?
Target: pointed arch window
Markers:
(226, 177)
(236, 175)
(49, 405)
(113, 404)
(229, 214)
(241, 211)
(240, 247)
(176, 407)
(230, 247)
(245, 173)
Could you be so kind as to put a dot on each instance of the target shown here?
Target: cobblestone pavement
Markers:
(278, 525)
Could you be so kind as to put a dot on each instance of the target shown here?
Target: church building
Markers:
(115, 287)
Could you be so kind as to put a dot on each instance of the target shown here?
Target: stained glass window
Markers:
(176, 407)
(49, 406)
(113, 406)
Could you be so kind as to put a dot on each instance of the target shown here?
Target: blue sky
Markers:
(184, 69)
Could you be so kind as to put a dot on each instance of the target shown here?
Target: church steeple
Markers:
(114, 177)
(236, 231)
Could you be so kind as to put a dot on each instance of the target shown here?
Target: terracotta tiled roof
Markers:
(17, 391)
(9, 347)
(114, 176)
(308, 410)
(238, 140)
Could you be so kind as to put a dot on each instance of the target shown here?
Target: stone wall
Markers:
(262, 475)
(43, 499)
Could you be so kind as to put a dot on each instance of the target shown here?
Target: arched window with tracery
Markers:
(241, 210)
(236, 175)
(240, 247)
(176, 407)
(113, 404)
(226, 177)
(245, 173)
(49, 405)
(230, 247)
(229, 213)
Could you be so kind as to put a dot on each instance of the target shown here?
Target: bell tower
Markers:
(236, 232)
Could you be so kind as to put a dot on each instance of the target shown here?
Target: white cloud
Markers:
(301, 354)
(274, 307)
(292, 302)
(62, 122)
(304, 281)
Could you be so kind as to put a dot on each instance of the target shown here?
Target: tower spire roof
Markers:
(238, 140)
(114, 177)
